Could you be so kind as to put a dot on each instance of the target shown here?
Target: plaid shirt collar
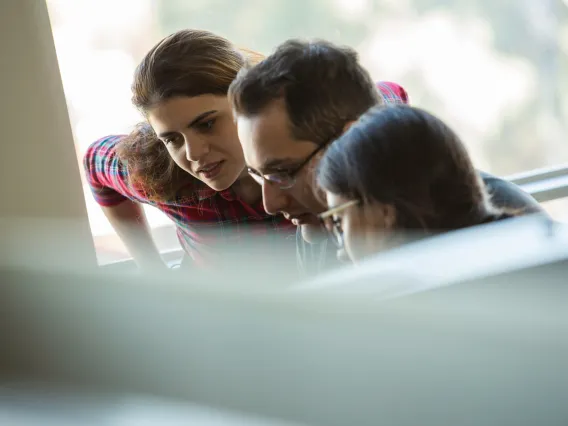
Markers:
(202, 193)
(205, 193)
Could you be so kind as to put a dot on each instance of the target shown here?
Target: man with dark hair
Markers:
(289, 107)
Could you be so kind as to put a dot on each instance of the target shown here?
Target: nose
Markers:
(196, 149)
(275, 200)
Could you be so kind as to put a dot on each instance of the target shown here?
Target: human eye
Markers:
(336, 220)
(173, 139)
(279, 172)
(332, 223)
(284, 171)
(206, 125)
(279, 176)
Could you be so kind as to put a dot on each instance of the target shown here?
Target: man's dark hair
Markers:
(322, 85)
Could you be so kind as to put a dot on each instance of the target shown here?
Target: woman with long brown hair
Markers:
(400, 174)
(186, 159)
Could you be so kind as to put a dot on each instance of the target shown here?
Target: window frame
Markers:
(544, 184)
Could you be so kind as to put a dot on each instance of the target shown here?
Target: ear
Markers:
(347, 126)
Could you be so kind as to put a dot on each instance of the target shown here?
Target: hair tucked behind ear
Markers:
(405, 157)
(187, 63)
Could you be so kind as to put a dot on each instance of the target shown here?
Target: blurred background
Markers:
(493, 70)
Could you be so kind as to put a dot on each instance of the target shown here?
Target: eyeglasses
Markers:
(333, 224)
(287, 179)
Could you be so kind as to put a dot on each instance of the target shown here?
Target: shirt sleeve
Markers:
(106, 175)
(392, 93)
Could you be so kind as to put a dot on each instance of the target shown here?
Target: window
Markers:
(558, 209)
(494, 70)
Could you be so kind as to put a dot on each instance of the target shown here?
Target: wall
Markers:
(43, 220)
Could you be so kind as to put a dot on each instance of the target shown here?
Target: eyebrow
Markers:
(191, 124)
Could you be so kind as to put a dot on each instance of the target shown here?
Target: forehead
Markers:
(175, 113)
(266, 136)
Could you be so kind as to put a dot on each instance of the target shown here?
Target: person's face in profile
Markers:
(357, 228)
(284, 167)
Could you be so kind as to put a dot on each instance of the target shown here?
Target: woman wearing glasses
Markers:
(396, 175)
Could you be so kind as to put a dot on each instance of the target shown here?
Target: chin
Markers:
(221, 183)
(218, 185)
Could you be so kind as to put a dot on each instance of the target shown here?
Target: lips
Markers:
(210, 170)
(208, 167)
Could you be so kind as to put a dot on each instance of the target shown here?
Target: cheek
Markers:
(303, 196)
(362, 238)
(227, 141)
(177, 153)
(307, 195)
(351, 238)
(179, 156)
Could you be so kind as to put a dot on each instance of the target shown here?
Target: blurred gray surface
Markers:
(62, 407)
(492, 354)
(469, 254)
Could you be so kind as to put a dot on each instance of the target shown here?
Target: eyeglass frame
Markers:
(336, 231)
(292, 175)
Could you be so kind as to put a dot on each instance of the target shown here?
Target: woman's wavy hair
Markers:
(405, 157)
(187, 63)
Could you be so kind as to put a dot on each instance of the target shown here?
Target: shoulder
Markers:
(103, 148)
(103, 166)
(507, 195)
(392, 93)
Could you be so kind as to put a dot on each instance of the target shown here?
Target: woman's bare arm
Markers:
(129, 221)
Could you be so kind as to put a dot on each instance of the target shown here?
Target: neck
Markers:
(247, 189)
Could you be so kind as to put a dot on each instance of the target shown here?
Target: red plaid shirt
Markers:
(205, 217)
